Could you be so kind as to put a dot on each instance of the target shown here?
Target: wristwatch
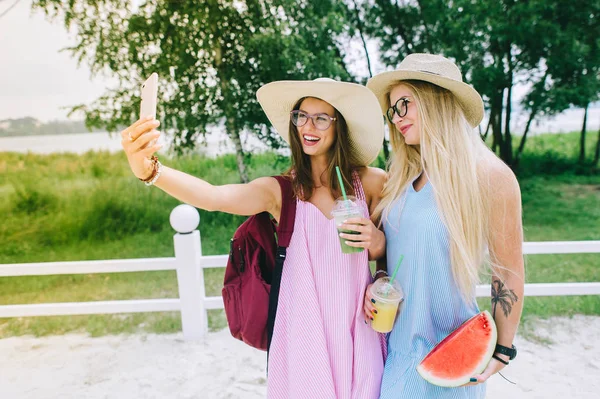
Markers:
(504, 350)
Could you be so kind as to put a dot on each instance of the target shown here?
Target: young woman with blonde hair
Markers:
(320, 347)
(449, 206)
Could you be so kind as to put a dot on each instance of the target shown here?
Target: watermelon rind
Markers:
(464, 377)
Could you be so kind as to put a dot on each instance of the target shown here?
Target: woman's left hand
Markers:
(368, 237)
(492, 368)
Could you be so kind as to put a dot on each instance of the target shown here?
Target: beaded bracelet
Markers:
(377, 272)
(156, 171)
(159, 169)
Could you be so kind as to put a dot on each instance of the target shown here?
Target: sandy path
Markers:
(167, 367)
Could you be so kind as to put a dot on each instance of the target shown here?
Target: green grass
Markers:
(65, 207)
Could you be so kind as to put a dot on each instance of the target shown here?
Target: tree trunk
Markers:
(496, 112)
(240, 157)
(507, 154)
(582, 138)
(360, 27)
(386, 149)
(487, 130)
(524, 138)
(534, 110)
(597, 154)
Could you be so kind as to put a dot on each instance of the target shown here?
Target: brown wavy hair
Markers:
(340, 154)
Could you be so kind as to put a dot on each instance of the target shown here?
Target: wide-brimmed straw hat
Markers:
(356, 103)
(433, 69)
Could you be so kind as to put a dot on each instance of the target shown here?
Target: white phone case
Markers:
(149, 96)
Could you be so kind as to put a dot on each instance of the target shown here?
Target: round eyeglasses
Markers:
(320, 121)
(400, 109)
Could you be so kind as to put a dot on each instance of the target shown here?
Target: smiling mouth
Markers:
(403, 129)
(310, 140)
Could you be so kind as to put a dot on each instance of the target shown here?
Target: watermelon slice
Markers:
(462, 354)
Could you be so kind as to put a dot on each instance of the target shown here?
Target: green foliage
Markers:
(211, 58)
(549, 44)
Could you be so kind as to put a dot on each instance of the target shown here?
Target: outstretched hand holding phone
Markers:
(140, 139)
(137, 142)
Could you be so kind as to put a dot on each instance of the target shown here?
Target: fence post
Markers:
(190, 274)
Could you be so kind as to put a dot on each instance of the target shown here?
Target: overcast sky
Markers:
(35, 78)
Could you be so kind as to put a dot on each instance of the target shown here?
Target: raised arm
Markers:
(262, 194)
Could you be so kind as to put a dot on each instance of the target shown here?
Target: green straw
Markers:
(396, 269)
(337, 169)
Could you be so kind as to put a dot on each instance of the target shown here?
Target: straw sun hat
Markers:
(433, 69)
(356, 103)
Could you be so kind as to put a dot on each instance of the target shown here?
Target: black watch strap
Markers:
(499, 359)
(504, 350)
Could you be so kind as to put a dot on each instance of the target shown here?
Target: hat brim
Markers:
(356, 103)
(469, 98)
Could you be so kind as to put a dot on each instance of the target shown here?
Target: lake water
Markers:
(80, 143)
(218, 143)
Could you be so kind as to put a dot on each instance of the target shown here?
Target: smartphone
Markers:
(149, 98)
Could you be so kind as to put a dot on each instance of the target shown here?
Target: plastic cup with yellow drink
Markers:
(388, 296)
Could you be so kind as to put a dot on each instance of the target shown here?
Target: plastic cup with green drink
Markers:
(346, 208)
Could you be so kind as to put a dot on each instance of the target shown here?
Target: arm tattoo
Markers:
(502, 296)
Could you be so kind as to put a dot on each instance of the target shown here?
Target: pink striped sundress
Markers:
(321, 346)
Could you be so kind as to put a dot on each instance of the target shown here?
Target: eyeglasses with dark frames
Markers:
(321, 121)
(400, 108)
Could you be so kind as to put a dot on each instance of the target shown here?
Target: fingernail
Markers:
(473, 379)
(366, 322)
(372, 318)
(374, 311)
(372, 300)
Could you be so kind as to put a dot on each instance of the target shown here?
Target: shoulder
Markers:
(269, 187)
(497, 179)
(373, 180)
(267, 182)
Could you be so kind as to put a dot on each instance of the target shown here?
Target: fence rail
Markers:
(189, 264)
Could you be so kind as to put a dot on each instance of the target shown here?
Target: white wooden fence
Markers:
(189, 264)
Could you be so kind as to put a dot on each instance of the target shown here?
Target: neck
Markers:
(318, 167)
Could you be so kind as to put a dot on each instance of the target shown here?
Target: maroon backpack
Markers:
(253, 272)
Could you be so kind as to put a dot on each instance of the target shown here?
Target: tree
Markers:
(211, 58)
(355, 17)
(495, 53)
(573, 58)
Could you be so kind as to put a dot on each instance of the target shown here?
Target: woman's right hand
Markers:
(134, 141)
(368, 307)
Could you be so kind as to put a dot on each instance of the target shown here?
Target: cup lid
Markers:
(386, 291)
(345, 206)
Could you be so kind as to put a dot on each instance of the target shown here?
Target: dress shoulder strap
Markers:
(358, 188)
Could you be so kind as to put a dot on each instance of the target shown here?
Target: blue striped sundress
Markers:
(433, 306)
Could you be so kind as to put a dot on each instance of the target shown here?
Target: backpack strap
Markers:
(288, 212)
(284, 236)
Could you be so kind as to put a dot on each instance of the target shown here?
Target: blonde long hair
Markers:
(448, 154)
